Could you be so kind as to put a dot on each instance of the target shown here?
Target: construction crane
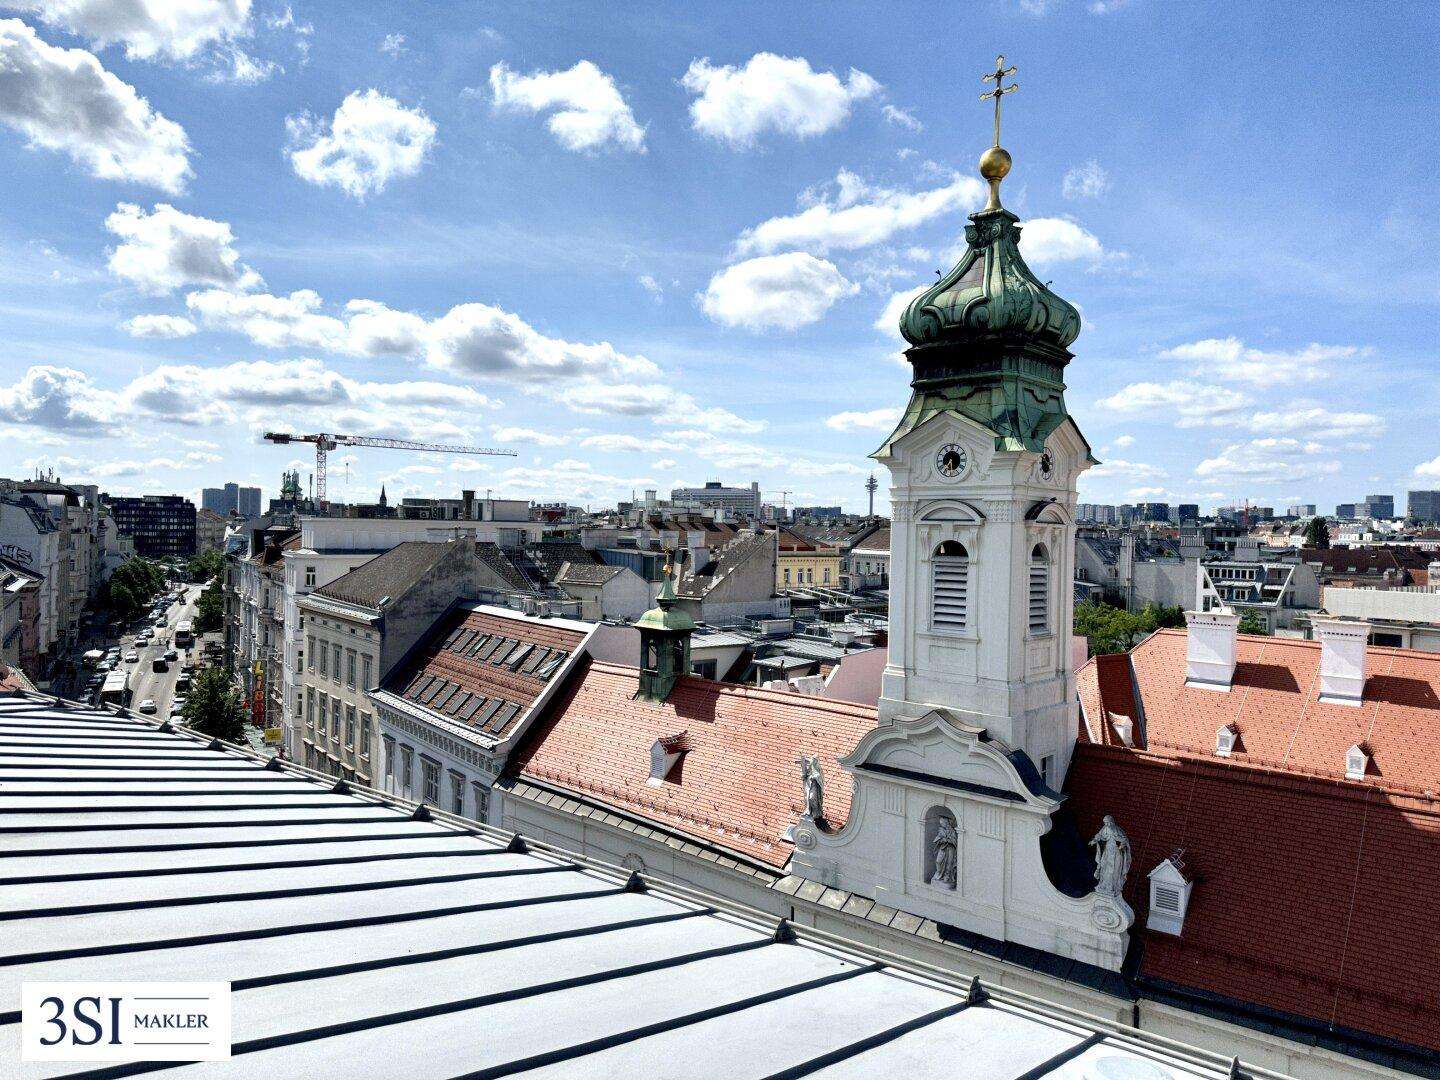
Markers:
(325, 442)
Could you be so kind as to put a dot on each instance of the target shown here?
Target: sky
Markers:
(651, 245)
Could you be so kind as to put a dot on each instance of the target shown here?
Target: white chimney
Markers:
(1342, 659)
(1210, 649)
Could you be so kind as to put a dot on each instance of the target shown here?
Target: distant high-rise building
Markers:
(1300, 510)
(160, 525)
(1154, 511)
(716, 496)
(1380, 506)
(1345, 511)
(1188, 512)
(1423, 506)
(231, 499)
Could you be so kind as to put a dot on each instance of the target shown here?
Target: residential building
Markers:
(31, 540)
(743, 502)
(1274, 588)
(20, 631)
(255, 621)
(1096, 514)
(869, 561)
(354, 629)
(452, 711)
(75, 513)
(1300, 510)
(210, 530)
(736, 582)
(803, 563)
(1423, 506)
(604, 591)
(1364, 567)
(162, 526)
(1404, 617)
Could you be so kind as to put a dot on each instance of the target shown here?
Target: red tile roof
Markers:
(737, 787)
(1314, 894)
(483, 669)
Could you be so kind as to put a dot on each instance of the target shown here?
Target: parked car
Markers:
(177, 706)
(147, 706)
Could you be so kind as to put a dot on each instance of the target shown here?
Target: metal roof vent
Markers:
(1169, 895)
(1225, 740)
(1357, 762)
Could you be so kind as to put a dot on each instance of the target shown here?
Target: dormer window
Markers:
(1225, 740)
(665, 754)
(1039, 589)
(1124, 728)
(1169, 896)
(950, 584)
(1357, 762)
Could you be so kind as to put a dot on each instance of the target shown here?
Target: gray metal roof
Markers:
(358, 939)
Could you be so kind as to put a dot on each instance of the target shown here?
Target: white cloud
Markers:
(1046, 241)
(1188, 404)
(783, 292)
(1129, 470)
(148, 29)
(1231, 360)
(889, 321)
(882, 420)
(1318, 423)
(901, 118)
(167, 249)
(393, 45)
(1123, 441)
(652, 286)
(856, 215)
(63, 99)
(527, 435)
(159, 326)
(1428, 470)
(1273, 460)
(479, 339)
(372, 138)
(771, 93)
(664, 463)
(1087, 181)
(664, 405)
(58, 399)
(276, 322)
(590, 111)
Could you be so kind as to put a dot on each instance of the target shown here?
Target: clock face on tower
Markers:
(951, 460)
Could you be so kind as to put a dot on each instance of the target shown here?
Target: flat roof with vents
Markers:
(356, 937)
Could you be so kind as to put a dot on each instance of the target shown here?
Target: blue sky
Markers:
(651, 246)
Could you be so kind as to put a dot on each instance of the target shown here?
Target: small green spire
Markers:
(664, 642)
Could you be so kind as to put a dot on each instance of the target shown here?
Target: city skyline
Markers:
(628, 259)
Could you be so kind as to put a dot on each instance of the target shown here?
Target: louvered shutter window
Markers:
(1039, 590)
(950, 586)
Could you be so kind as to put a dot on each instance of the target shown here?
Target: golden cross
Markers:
(1001, 72)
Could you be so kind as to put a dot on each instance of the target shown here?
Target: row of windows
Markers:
(333, 662)
(342, 720)
(950, 588)
(452, 794)
(806, 576)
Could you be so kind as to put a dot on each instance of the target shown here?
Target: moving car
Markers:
(147, 706)
(159, 664)
(172, 655)
(132, 657)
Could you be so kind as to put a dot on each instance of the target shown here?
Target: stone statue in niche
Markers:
(814, 782)
(1112, 858)
(944, 853)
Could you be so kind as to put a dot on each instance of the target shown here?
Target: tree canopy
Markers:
(1110, 629)
(213, 706)
(131, 587)
(206, 566)
(210, 608)
(1317, 534)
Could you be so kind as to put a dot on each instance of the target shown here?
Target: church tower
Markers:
(957, 785)
(983, 468)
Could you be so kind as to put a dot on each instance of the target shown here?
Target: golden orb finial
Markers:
(995, 162)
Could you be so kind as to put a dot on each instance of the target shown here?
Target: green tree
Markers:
(210, 609)
(1107, 629)
(1250, 623)
(1317, 534)
(213, 706)
(206, 567)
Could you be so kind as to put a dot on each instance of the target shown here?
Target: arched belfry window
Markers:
(950, 586)
(1039, 589)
